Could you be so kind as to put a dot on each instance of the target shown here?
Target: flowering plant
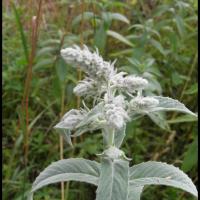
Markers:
(116, 98)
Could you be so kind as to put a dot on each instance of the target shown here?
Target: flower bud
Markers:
(143, 103)
(71, 119)
(133, 83)
(90, 63)
(115, 113)
(87, 87)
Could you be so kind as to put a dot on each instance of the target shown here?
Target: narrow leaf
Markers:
(120, 17)
(61, 69)
(43, 63)
(180, 25)
(158, 46)
(86, 16)
(190, 159)
(21, 30)
(119, 37)
(100, 38)
(46, 51)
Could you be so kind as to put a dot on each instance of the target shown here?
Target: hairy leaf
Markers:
(184, 118)
(159, 119)
(119, 136)
(157, 173)
(75, 169)
(169, 104)
(113, 181)
(135, 193)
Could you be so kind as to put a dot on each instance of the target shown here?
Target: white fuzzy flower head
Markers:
(117, 80)
(115, 113)
(113, 153)
(86, 87)
(132, 83)
(143, 103)
(71, 119)
(90, 63)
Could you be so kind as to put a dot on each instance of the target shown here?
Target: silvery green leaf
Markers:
(135, 116)
(119, 136)
(105, 133)
(80, 131)
(73, 169)
(91, 115)
(91, 121)
(66, 135)
(157, 173)
(159, 119)
(113, 181)
(88, 127)
(183, 119)
(169, 104)
(135, 193)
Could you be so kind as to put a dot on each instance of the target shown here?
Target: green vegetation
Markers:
(154, 39)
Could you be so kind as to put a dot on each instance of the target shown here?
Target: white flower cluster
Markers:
(129, 83)
(114, 153)
(91, 63)
(103, 78)
(115, 112)
(133, 83)
(141, 104)
(86, 87)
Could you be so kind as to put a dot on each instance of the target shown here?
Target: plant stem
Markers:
(111, 137)
(61, 157)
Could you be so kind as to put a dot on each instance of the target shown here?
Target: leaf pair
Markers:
(114, 179)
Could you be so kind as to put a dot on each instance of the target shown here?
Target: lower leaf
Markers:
(113, 181)
(135, 193)
(74, 169)
(157, 173)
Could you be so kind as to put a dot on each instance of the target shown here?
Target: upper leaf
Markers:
(169, 104)
(159, 119)
(157, 173)
(119, 136)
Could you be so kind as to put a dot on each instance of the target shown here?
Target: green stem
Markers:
(111, 137)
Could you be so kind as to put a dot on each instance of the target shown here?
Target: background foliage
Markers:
(156, 39)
